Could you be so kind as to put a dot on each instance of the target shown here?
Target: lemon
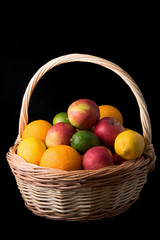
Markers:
(31, 150)
(129, 144)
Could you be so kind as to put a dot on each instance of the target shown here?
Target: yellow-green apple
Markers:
(107, 130)
(83, 113)
(59, 134)
(97, 157)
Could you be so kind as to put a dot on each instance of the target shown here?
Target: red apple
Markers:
(59, 134)
(97, 157)
(107, 130)
(117, 159)
(83, 113)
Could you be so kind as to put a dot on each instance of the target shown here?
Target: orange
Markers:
(110, 111)
(31, 150)
(61, 157)
(37, 129)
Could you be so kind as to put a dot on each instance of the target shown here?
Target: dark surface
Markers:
(20, 58)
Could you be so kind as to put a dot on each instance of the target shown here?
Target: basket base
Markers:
(98, 216)
(81, 204)
(80, 197)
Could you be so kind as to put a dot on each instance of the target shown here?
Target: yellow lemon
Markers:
(31, 150)
(129, 144)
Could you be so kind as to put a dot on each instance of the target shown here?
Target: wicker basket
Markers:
(82, 195)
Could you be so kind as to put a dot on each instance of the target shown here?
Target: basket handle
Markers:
(144, 116)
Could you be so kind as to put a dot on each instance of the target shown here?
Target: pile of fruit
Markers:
(87, 136)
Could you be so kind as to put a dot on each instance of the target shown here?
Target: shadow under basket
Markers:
(82, 195)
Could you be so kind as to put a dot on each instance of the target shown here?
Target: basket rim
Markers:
(145, 162)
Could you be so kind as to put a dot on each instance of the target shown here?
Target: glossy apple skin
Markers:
(117, 159)
(83, 114)
(107, 129)
(97, 157)
(59, 134)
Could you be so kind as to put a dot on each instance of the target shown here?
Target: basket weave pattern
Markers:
(82, 195)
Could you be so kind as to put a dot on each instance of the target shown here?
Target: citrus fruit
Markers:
(110, 111)
(31, 150)
(84, 140)
(60, 117)
(37, 129)
(61, 157)
(129, 144)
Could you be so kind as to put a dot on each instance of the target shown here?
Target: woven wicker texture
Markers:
(84, 194)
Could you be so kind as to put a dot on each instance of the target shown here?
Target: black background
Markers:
(22, 52)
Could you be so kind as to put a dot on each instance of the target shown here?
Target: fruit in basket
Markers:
(37, 129)
(84, 140)
(129, 144)
(107, 130)
(61, 157)
(31, 150)
(110, 111)
(97, 157)
(83, 113)
(60, 117)
(117, 159)
(59, 134)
